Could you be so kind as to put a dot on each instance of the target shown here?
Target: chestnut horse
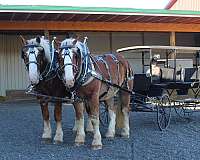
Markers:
(85, 75)
(37, 58)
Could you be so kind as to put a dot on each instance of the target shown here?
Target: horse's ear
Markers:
(38, 40)
(74, 42)
(24, 42)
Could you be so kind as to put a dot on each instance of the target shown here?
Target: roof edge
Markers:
(96, 10)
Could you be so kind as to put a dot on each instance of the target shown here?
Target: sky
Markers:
(146, 4)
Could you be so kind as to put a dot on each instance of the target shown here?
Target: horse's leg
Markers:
(112, 114)
(75, 125)
(80, 133)
(93, 103)
(47, 126)
(125, 100)
(58, 118)
(89, 127)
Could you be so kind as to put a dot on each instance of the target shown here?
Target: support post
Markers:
(173, 43)
(172, 38)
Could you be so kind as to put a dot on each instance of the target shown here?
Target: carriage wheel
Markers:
(163, 112)
(103, 115)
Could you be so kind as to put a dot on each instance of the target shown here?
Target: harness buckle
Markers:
(29, 89)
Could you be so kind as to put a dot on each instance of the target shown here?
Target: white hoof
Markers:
(96, 143)
(46, 135)
(79, 140)
(96, 147)
(58, 138)
(124, 134)
(110, 134)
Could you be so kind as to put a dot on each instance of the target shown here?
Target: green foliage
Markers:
(2, 98)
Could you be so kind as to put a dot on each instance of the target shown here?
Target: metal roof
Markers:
(95, 14)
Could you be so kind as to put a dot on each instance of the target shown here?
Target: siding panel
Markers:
(193, 5)
(12, 71)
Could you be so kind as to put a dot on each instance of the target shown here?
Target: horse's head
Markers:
(69, 61)
(33, 54)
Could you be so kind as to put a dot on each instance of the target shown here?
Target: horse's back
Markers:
(113, 66)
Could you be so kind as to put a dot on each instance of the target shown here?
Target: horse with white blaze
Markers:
(85, 75)
(44, 80)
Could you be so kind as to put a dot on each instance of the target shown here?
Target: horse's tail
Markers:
(119, 115)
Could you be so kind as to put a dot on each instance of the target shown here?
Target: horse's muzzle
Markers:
(69, 83)
(34, 81)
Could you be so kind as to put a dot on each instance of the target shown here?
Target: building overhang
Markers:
(20, 17)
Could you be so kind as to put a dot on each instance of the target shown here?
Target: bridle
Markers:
(67, 50)
(83, 67)
(32, 51)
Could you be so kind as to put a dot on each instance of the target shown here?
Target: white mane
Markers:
(69, 42)
(45, 44)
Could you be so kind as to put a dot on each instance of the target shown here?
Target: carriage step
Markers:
(189, 100)
(143, 108)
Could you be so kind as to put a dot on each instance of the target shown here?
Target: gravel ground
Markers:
(21, 130)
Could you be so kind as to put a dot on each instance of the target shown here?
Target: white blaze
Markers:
(69, 76)
(33, 70)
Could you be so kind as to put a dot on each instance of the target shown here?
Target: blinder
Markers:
(31, 46)
(40, 48)
(67, 53)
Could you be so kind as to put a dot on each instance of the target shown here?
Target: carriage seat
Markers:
(141, 82)
(191, 74)
(167, 74)
(182, 75)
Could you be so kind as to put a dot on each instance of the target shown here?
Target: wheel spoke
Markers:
(164, 112)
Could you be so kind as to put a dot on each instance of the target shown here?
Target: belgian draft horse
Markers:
(79, 71)
(37, 58)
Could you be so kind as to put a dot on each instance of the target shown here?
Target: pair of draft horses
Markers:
(78, 70)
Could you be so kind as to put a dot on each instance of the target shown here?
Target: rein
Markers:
(101, 78)
(47, 98)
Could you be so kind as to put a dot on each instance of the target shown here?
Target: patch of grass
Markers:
(2, 98)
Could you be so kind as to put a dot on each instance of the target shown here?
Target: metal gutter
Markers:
(95, 10)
